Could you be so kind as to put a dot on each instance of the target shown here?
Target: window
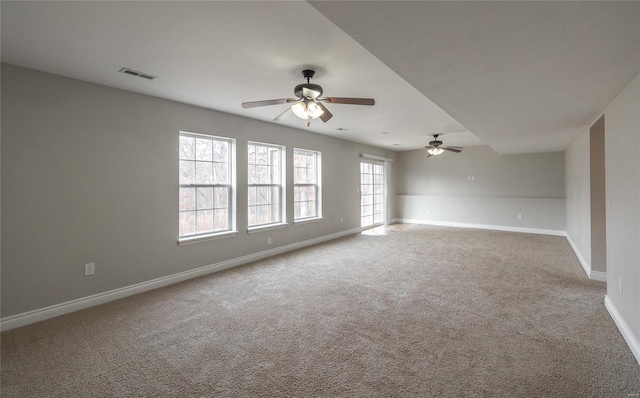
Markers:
(306, 184)
(205, 185)
(266, 165)
(372, 193)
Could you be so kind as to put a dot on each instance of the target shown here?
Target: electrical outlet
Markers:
(268, 240)
(89, 269)
(519, 216)
(620, 284)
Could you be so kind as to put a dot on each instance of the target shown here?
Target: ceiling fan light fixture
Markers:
(314, 110)
(435, 151)
(307, 109)
(300, 110)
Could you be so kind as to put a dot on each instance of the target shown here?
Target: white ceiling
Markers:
(523, 77)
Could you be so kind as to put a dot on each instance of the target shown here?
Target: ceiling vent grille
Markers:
(138, 73)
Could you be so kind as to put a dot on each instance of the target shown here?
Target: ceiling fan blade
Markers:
(308, 93)
(352, 101)
(429, 147)
(455, 149)
(326, 115)
(254, 104)
(283, 115)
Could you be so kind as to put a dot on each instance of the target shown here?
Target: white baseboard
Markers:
(593, 275)
(598, 276)
(483, 226)
(15, 321)
(627, 334)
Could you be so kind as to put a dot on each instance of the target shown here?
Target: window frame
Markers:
(280, 188)
(317, 185)
(230, 187)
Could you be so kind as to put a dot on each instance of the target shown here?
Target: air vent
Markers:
(137, 73)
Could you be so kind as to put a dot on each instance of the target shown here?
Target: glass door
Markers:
(372, 193)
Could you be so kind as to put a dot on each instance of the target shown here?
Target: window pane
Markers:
(204, 149)
(220, 198)
(252, 215)
(204, 173)
(311, 176)
(253, 196)
(261, 175)
(221, 219)
(204, 221)
(187, 199)
(187, 221)
(187, 148)
(251, 154)
(275, 195)
(311, 208)
(220, 173)
(251, 174)
(312, 193)
(261, 155)
(296, 194)
(205, 198)
(263, 195)
(221, 151)
(261, 214)
(274, 175)
(296, 210)
(187, 172)
(275, 213)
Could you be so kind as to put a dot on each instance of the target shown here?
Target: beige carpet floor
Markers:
(420, 311)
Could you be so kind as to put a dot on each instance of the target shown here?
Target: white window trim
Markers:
(318, 185)
(375, 157)
(204, 238)
(266, 227)
(308, 220)
(227, 233)
(282, 188)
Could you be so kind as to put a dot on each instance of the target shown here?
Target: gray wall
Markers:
(503, 186)
(622, 146)
(578, 195)
(90, 174)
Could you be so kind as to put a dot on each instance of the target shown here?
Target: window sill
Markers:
(308, 220)
(268, 227)
(204, 238)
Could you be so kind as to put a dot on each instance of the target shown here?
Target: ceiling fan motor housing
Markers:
(435, 143)
(310, 86)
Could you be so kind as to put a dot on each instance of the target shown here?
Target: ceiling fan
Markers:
(308, 103)
(435, 147)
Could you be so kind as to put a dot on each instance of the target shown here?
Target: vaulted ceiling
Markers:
(518, 76)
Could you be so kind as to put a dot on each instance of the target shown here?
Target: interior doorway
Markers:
(598, 198)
